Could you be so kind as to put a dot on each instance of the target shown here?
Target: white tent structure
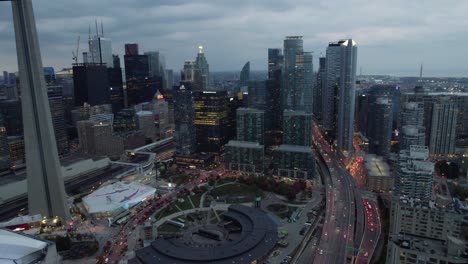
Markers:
(18, 248)
(117, 195)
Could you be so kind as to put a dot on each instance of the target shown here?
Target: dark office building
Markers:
(319, 86)
(57, 111)
(390, 91)
(233, 104)
(210, 120)
(116, 89)
(12, 117)
(379, 132)
(91, 84)
(116, 61)
(140, 85)
(125, 120)
(273, 98)
(184, 116)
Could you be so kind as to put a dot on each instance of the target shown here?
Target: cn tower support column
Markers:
(46, 190)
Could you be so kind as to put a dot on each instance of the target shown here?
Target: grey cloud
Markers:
(393, 36)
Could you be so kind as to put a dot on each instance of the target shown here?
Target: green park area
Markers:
(237, 193)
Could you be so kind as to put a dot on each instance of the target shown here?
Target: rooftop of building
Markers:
(117, 195)
(296, 113)
(15, 246)
(244, 144)
(257, 237)
(376, 166)
(295, 148)
(431, 246)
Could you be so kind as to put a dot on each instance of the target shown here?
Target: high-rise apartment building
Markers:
(210, 120)
(318, 90)
(443, 127)
(294, 161)
(297, 76)
(339, 91)
(411, 135)
(184, 115)
(414, 174)
(245, 74)
(91, 84)
(244, 156)
(412, 114)
(297, 128)
(379, 132)
(257, 95)
(273, 95)
(251, 125)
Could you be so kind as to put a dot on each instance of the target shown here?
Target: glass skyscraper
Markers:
(297, 76)
(339, 93)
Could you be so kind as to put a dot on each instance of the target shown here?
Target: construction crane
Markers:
(76, 54)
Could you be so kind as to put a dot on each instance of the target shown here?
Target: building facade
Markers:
(91, 84)
(251, 125)
(244, 156)
(443, 127)
(380, 119)
(339, 93)
(297, 128)
(293, 161)
(184, 115)
(210, 121)
(415, 173)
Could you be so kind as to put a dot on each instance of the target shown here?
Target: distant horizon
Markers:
(394, 42)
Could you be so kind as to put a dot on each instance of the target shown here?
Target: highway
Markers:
(343, 227)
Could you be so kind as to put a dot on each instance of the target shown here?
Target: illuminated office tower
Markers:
(211, 120)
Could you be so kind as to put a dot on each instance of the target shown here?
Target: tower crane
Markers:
(76, 53)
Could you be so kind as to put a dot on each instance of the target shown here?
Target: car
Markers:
(321, 252)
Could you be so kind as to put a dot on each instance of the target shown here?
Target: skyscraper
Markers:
(273, 93)
(141, 86)
(412, 130)
(157, 66)
(100, 49)
(188, 72)
(339, 91)
(91, 84)
(297, 76)
(319, 86)
(257, 94)
(380, 118)
(184, 115)
(161, 116)
(250, 125)
(443, 127)
(116, 88)
(201, 71)
(210, 120)
(245, 74)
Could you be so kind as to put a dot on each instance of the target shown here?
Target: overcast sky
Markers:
(393, 37)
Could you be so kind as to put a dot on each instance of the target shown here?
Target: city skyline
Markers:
(176, 28)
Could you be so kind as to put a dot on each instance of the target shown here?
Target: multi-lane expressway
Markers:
(344, 228)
